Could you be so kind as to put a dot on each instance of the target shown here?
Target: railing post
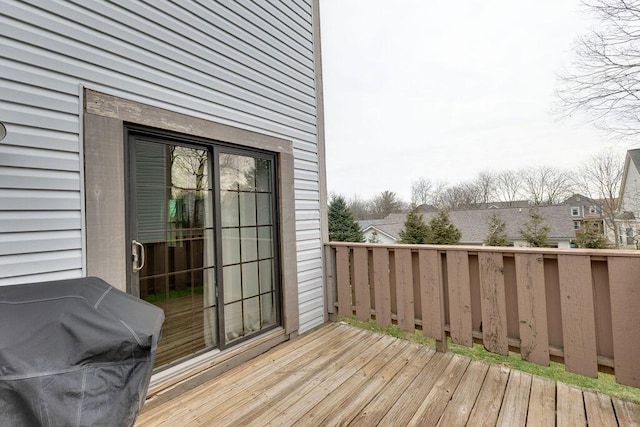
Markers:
(330, 282)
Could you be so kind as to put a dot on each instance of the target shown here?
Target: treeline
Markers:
(598, 178)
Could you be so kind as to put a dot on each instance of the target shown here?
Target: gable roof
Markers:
(473, 223)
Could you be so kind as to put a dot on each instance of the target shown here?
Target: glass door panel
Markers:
(248, 258)
(173, 221)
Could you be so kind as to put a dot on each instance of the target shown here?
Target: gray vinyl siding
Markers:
(243, 63)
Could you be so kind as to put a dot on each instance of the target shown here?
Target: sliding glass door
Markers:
(203, 246)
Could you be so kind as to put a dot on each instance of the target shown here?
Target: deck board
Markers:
(340, 375)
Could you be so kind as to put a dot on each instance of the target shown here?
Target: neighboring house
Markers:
(374, 231)
(629, 219)
(473, 224)
(587, 213)
(174, 149)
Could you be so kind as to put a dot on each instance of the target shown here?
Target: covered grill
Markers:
(74, 352)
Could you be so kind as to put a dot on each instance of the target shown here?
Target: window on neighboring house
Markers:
(576, 225)
(629, 236)
(592, 210)
(575, 211)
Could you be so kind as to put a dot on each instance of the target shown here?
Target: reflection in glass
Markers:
(174, 221)
(229, 208)
(263, 175)
(237, 172)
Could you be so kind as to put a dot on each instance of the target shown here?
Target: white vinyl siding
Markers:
(242, 63)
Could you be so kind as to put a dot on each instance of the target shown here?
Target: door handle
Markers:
(138, 257)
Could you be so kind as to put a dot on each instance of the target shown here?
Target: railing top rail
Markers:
(507, 249)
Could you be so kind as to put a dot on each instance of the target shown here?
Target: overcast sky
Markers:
(443, 90)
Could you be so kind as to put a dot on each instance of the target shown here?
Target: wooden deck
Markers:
(340, 375)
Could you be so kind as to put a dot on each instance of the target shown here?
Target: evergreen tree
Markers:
(374, 237)
(535, 232)
(496, 231)
(442, 231)
(590, 237)
(415, 230)
(342, 225)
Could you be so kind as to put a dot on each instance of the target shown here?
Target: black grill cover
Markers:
(74, 353)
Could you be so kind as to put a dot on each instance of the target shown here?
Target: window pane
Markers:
(233, 321)
(151, 214)
(154, 290)
(229, 208)
(155, 258)
(209, 287)
(232, 283)
(237, 172)
(210, 326)
(247, 209)
(268, 310)
(250, 279)
(264, 208)
(208, 251)
(249, 246)
(251, 315)
(266, 276)
(189, 168)
(230, 246)
(151, 163)
(263, 175)
(265, 242)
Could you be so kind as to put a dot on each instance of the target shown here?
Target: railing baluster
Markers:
(532, 308)
(493, 303)
(361, 284)
(458, 282)
(431, 297)
(624, 284)
(578, 320)
(404, 290)
(381, 286)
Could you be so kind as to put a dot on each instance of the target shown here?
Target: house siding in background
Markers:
(247, 64)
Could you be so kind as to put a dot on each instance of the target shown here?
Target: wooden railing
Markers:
(580, 307)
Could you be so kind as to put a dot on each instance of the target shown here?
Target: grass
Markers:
(605, 383)
(173, 294)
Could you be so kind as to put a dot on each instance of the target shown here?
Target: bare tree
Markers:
(465, 195)
(604, 80)
(599, 178)
(386, 203)
(508, 186)
(361, 209)
(486, 185)
(421, 191)
(545, 185)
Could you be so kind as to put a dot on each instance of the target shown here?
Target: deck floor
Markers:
(341, 375)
